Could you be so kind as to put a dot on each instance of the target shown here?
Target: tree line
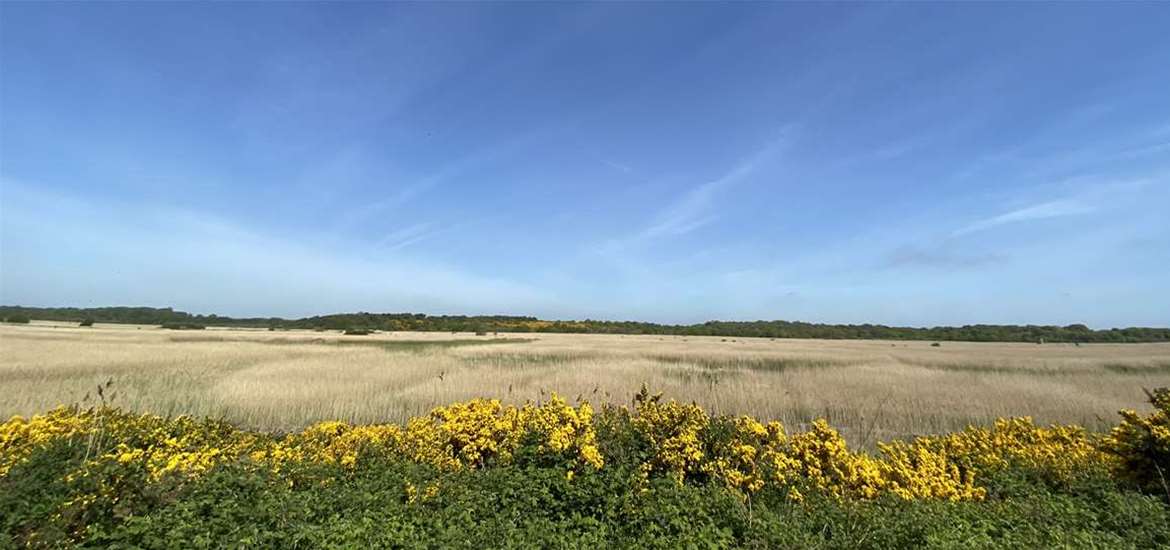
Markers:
(1075, 333)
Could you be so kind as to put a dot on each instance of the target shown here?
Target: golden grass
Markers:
(287, 379)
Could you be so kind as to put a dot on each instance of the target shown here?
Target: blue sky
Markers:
(909, 164)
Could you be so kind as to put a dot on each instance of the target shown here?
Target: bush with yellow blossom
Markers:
(109, 464)
(1141, 445)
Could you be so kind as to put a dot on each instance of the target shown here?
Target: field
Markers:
(285, 380)
(287, 439)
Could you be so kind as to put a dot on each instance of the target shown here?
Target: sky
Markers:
(908, 164)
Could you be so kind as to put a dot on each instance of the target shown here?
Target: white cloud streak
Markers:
(405, 237)
(399, 195)
(1098, 196)
(1046, 210)
(691, 210)
(625, 169)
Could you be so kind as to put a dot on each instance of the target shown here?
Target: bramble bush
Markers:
(656, 474)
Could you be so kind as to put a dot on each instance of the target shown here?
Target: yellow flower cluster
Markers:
(20, 437)
(331, 442)
(177, 446)
(673, 430)
(416, 495)
(473, 435)
(479, 432)
(826, 461)
(679, 441)
(470, 434)
(562, 431)
(916, 472)
(752, 455)
(1060, 451)
(1141, 445)
(746, 455)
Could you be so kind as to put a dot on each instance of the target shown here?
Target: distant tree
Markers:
(1074, 333)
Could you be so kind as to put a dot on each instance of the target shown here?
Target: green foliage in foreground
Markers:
(314, 505)
(507, 323)
(526, 508)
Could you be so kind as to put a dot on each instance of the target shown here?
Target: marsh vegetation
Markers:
(285, 380)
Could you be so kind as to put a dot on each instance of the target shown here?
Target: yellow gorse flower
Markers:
(681, 441)
(1140, 445)
(1062, 451)
(673, 430)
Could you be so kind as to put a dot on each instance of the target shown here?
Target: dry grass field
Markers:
(286, 379)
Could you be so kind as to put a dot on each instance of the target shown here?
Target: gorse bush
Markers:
(1141, 445)
(659, 473)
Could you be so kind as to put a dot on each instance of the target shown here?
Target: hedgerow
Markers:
(656, 474)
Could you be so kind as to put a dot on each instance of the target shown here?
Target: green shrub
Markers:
(182, 326)
(236, 505)
(357, 332)
(19, 319)
(87, 322)
(106, 478)
(1142, 445)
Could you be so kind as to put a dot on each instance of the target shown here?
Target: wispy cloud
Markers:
(941, 258)
(402, 194)
(1092, 195)
(1142, 151)
(1046, 210)
(1033, 157)
(623, 168)
(405, 237)
(692, 209)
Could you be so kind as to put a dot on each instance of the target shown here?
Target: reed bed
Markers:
(285, 380)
